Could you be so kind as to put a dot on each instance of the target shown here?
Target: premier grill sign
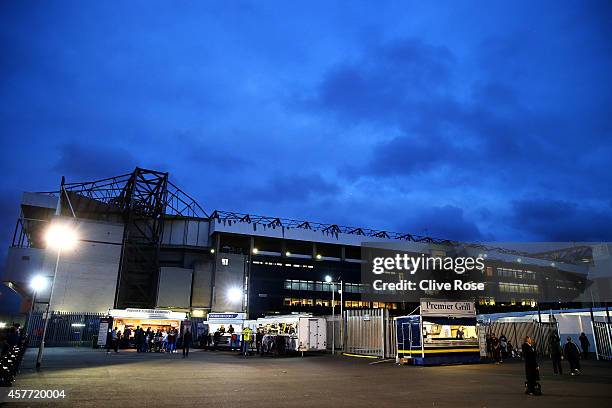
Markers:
(447, 308)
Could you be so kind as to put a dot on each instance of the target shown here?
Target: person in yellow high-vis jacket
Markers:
(247, 338)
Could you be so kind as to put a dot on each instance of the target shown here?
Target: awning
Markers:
(147, 314)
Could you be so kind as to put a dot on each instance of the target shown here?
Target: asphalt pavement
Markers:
(92, 378)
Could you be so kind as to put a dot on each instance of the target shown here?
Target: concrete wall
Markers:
(39, 200)
(186, 232)
(174, 289)
(22, 264)
(87, 274)
(202, 284)
(229, 274)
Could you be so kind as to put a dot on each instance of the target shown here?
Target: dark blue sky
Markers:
(486, 120)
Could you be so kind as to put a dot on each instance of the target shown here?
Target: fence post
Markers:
(594, 334)
(607, 326)
(382, 332)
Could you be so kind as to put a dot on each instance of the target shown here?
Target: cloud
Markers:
(93, 161)
(300, 188)
(383, 81)
(448, 222)
(562, 221)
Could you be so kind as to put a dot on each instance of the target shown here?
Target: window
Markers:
(517, 288)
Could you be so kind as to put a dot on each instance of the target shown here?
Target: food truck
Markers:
(225, 323)
(285, 334)
(155, 319)
(443, 332)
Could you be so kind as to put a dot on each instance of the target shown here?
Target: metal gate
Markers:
(602, 331)
(365, 332)
(391, 338)
(65, 329)
(334, 332)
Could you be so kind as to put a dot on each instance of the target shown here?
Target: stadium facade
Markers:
(145, 244)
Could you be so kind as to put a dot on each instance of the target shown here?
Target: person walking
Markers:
(138, 339)
(572, 355)
(556, 353)
(206, 338)
(172, 341)
(584, 342)
(503, 345)
(259, 339)
(532, 370)
(114, 337)
(216, 338)
(164, 344)
(147, 340)
(187, 338)
(496, 349)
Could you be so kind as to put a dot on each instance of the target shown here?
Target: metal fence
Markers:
(516, 332)
(602, 331)
(68, 329)
(65, 329)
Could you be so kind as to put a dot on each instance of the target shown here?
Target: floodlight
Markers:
(61, 237)
(38, 283)
(234, 295)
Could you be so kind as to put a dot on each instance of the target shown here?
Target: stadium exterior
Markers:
(143, 243)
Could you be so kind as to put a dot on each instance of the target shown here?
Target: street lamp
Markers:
(59, 237)
(37, 284)
(329, 279)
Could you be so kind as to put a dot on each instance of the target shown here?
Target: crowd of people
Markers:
(250, 341)
(242, 342)
(10, 337)
(150, 341)
(500, 348)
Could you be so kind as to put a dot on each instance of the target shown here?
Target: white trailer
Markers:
(312, 334)
(309, 334)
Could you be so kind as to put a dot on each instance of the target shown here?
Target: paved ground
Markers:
(222, 379)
